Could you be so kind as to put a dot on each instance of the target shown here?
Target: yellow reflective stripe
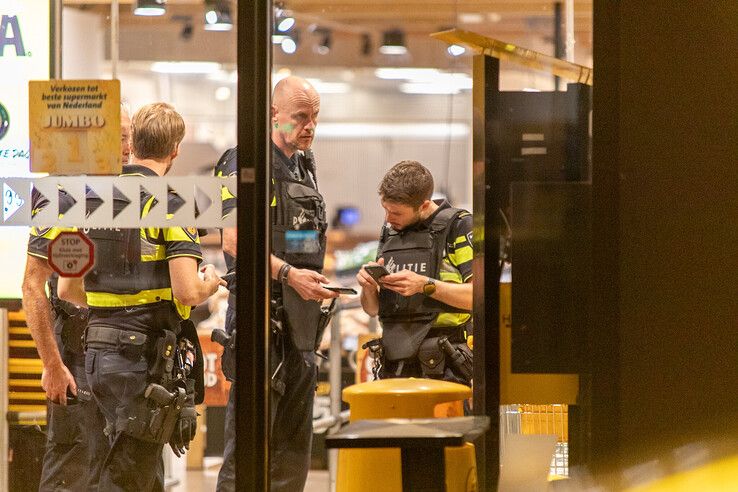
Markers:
(172, 234)
(147, 206)
(149, 250)
(106, 299)
(51, 232)
(461, 255)
(454, 277)
(225, 194)
(451, 319)
(274, 201)
(43, 257)
(182, 310)
(460, 240)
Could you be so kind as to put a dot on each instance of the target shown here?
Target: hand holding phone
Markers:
(376, 271)
(341, 290)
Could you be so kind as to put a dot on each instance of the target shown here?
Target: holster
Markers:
(303, 319)
(326, 313)
(70, 325)
(228, 360)
(154, 417)
(188, 330)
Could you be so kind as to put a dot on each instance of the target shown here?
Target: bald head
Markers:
(295, 107)
(125, 133)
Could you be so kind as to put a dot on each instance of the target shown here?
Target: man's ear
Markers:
(274, 114)
(175, 153)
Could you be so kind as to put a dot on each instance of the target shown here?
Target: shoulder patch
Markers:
(191, 232)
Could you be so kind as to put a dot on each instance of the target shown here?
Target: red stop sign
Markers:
(71, 254)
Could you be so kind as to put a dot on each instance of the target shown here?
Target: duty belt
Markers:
(114, 336)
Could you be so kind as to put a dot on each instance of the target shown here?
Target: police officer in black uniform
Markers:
(76, 444)
(425, 302)
(298, 241)
(142, 351)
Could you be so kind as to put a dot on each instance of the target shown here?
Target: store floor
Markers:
(205, 480)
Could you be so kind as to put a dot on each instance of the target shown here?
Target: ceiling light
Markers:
(393, 43)
(329, 87)
(456, 50)
(149, 8)
(470, 18)
(289, 45)
(283, 20)
(222, 93)
(218, 16)
(404, 73)
(185, 67)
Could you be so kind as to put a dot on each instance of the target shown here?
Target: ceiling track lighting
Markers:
(393, 43)
(290, 41)
(149, 8)
(218, 15)
(283, 20)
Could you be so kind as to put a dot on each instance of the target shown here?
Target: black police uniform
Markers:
(76, 444)
(132, 312)
(298, 237)
(227, 166)
(439, 247)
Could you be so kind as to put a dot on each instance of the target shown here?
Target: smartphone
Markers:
(342, 290)
(376, 271)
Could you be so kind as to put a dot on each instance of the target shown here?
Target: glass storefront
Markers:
(388, 92)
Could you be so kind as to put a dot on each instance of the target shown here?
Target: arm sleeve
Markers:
(227, 166)
(460, 251)
(182, 241)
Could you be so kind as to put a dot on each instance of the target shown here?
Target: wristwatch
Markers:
(430, 287)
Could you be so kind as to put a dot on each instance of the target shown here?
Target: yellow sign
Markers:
(74, 126)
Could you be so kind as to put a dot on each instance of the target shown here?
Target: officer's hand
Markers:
(405, 282)
(307, 283)
(55, 379)
(366, 280)
(211, 278)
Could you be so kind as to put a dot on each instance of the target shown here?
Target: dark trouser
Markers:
(291, 421)
(118, 378)
(227, 473)
(76, 444)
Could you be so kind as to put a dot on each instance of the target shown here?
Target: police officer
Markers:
(298, 241)
(140, 343)
(76, 444)
(427, 296)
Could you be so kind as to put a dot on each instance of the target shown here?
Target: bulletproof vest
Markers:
(419, 249)
(299, 217)
(119, 269)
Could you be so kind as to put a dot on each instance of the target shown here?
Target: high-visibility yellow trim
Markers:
(274, 201)
(451, 319)
(450, 277)
(461, 255)
(182, 310)
(106, 299)
(225, 194)
(19, 331)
